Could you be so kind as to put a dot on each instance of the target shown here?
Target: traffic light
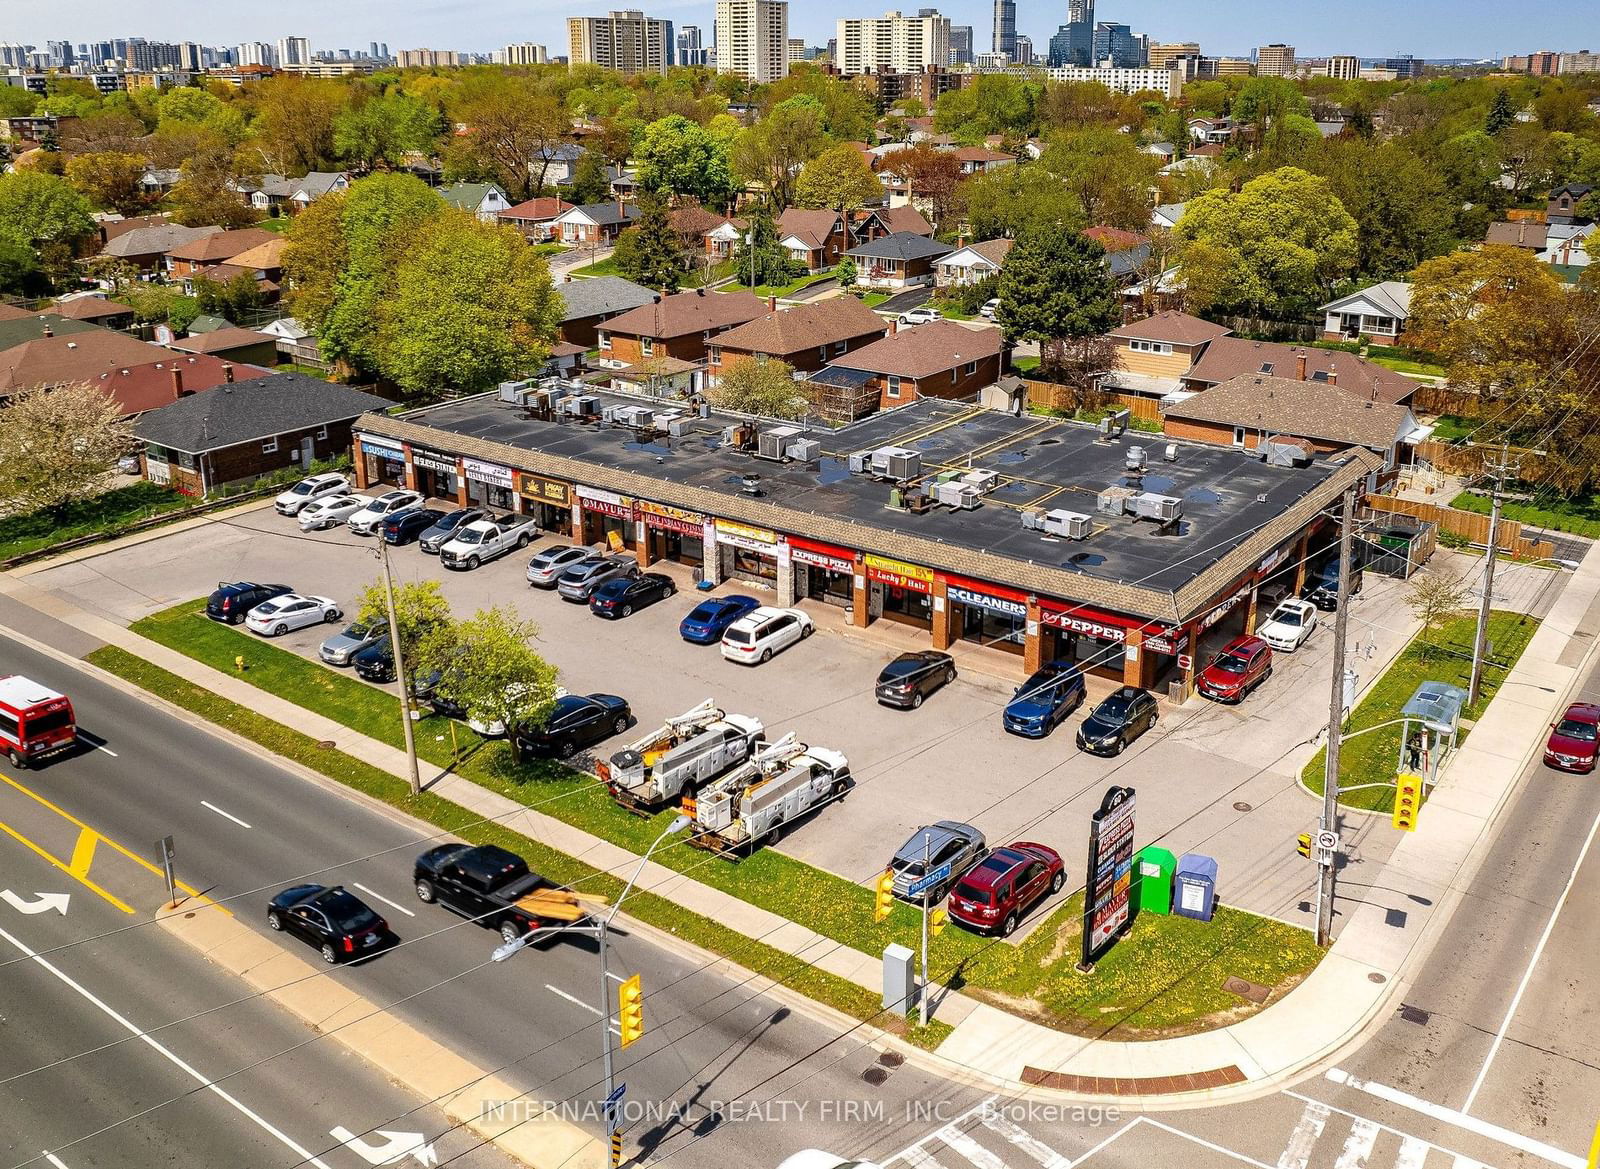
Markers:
(937, 920)
(1302, 844)
(630, 1010)
(1407, 801)
(885, 890)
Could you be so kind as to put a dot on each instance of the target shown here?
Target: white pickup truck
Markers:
(485, 539)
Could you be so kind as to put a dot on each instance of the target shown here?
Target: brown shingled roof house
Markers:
(807, 336)
(937, 360)
(1228, 357)
(675, 326)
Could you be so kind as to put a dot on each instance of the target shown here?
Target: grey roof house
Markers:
(485, 200)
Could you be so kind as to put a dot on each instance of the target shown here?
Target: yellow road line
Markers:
(83, 852)
(65, 868)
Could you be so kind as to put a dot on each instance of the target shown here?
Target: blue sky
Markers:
(1371, 28)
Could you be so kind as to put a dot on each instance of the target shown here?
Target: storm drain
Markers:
(875, 1076)
(1414, 1014)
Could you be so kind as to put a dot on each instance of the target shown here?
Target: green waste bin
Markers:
(1152, 879)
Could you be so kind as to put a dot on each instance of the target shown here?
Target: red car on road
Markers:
(996, 892)
(1244, 663)
(1572, 742)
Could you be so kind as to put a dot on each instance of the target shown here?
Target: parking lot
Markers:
(1214, 779)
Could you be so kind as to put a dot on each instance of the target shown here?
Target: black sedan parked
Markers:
(406, 526)
(911, 677)
(577, 721)
(331, 920)
(375, 663)
(1122, 717)
(620, 596)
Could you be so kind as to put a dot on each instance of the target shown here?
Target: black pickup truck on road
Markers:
(488, 884)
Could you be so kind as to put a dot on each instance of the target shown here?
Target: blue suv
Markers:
(1040, 703)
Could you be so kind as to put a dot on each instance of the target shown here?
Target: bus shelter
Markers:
(1431, 721)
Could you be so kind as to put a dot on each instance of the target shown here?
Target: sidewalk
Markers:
(1364, 972)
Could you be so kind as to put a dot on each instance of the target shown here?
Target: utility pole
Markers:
(1480, 637)
(922, 999)
(399, 667)
(1330, 775)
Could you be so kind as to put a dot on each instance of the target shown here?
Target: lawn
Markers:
(105, 513)
(1025, 364)
(278, 223)
(1401, 365)
(1454, 427)
(874, 299)
(549, 249)
(781, 290)
(1580, 515)
(1039, 974)
(951, 311)
(605, 267)
(1444, 655)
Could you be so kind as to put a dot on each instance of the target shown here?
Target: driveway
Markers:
(1220, 780)
(909, 299)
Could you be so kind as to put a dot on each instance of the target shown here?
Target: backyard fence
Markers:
(1468, 525)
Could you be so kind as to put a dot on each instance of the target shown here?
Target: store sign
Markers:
(899, 574)
(1085, 622)
(754, 535)
(833, 561)
(673, 519)
(1001, 605)
(541, 490)
(1273, 560)
(491, 473)
(382, 447)
(1106, 908)
(432, 461)
(1168, 643)
(606, 502)
(1220, 611)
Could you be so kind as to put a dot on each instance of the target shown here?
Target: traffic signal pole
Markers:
(1330, 776)
(922, 997)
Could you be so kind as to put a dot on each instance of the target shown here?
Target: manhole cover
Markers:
(325, 744)
(1414, 1014)
(875, 1076)
(1376, 977)
(1241, 806)
(891, 1059)
(1246, 990)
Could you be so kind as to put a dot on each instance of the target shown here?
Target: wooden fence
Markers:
(1467, 524)
(1431, 399)
(1049, 396)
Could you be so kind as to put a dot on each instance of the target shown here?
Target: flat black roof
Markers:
(1042, 462)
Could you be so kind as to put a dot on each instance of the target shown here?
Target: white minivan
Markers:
(762, 632)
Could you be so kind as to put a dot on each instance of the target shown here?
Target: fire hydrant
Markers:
(238, 663)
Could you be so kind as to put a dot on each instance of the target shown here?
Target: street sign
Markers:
(1106, 909)
(617, 1093)
(936, 876)
(168, 852)
(1328, 840)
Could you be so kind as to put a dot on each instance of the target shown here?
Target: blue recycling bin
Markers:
(1195, 892)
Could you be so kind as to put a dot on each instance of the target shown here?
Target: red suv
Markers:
(995, 893)
(1244, 663)
(1571, 746)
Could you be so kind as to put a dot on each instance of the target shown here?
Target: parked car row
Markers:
(989, 891)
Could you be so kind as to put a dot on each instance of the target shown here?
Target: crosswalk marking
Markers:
(1297, 1153)
(1462, 1161)
(1358, 1145)
(1412, 1153)
(919, 1158)
(1019, 1137)
(961, 1143)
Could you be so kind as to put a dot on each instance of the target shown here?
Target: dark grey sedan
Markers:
(579, 582)
(433, 538)
(339, 649)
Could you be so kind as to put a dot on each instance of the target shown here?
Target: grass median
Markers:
(1442, 655)
(1165, 978)
(105, 513)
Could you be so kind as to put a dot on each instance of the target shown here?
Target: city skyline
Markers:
(481, 26)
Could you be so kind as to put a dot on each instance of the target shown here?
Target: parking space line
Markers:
(382, 898)
(54, 1160)
(224, 815)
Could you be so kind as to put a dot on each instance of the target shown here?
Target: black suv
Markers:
(408, 525)
(230, 602)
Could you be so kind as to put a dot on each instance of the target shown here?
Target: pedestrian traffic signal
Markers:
(630, 1010)
(885, 901)
(937, 920)
(1407, 801)
(1302, 844)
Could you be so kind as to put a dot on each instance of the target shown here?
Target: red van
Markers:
(35, 721)
(1244, 663)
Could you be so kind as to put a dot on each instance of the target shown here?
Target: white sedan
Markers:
(1289, 626)
(762, 632)
(366, 521)
(278, 616)
(331, 512)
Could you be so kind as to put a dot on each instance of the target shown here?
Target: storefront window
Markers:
(987, 627)
(907, 605)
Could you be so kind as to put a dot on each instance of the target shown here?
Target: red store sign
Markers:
(821, 555)
(1090, 622)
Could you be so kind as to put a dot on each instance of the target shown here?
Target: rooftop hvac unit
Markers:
(1135, 459)
(586, 405)
(611, 414)
(1033, 519)
(1147, 505)
(678, 427)
(514, 391)
(896, 462)
(1074, 525)
(957, 495)
(983, 479)
(639, 417)
(774, 443)
(946, 476)
(805, 450)
(1114, 500)
(859, 463)
(1171, 453)
(572, 406)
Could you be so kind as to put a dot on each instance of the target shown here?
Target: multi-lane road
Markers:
(120, 1046)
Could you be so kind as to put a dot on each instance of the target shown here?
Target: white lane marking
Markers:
(39, 903)
(1527, 975)
(1085, 1158)
(1297, 1152)
(108, 751)
(914, 1154)
(919, 1157)
(1472, 1124)
(54, 1160)
(1412, 1154)
(1025, 1141)
(1358, 1145)
(1462, 1161)
(234, 1102)
(1189, 1136)
(964, 1145)
(382, 898)
(577, 1002)
(224, 815)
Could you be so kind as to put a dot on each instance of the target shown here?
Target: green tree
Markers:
(1501, 113)
(995, 103)
(845, 273)
(1056, 289)
(761, 386)
(1108, 173)
(838, 179)
(45, 214)
(382, 130)
(1263, 100)
(1281, 241)
(651, 252)
(1399, 201)
(294, 122)
(473, 305)
(771, 152)
(17, 102)
(486, 667)
(110, 180)
(231, 299)
(760, 258)
(207, 191)
(679, 157)
(590, 183)
(420, 611)
(932, 178)
(1014, 199)
(19, 270)
(186, 107)
(513, 129)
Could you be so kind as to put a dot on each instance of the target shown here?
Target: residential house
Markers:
(535, 217)
(593, 224)
(1126, 251)
(901, 260)
(564, 360)
(1246, 410)
(313, 186)
(694, 225)
(1154, 355)
(680, 326)
(1166, 215)
(233, 344)
(972, 263)
(98, 310)
(560, 164)
(109, 225)
(146, 248)
(1212, 131)
(1518, 233)
(197, 256)
(248, 429)
(658, 377)
(50, 350)
(806, 337)
(1228, 357)
(1563, 204)
(1165, 151)
(264, 262)
(815, 239)
(978, 159)
(723, 240)
(941, 359)
(485, 200)
(1567, 248)
(268, 192)
(138, 388)
(878, 222)
(158, 181)
(295, 342)
(589, 303)
(1376, 313)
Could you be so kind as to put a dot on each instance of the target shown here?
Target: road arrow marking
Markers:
(397, 1146)
(41, 903)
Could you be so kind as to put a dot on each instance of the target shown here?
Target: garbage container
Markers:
(1152, 879)
(1196, 886)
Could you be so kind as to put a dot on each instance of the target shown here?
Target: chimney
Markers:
(1300, 366)
(1333, 376)
(567, 279)
(961, 242)
(894, 326)
(772, 304)
(227, 372)
(177, 383)
(48, 331)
